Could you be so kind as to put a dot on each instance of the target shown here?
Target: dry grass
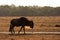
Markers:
(41, 23)
(29, 37)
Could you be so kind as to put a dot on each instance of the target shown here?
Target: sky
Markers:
(52, 3)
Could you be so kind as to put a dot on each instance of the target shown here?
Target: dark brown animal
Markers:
(57, 25)
(20, 22)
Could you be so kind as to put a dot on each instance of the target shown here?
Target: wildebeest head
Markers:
(31, 24)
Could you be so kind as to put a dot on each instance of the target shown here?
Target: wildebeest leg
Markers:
(24, 30)
(20, 30)
(11, 29)
(13, 32)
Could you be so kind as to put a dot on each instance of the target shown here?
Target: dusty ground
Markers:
(29, 37)
(41, 24)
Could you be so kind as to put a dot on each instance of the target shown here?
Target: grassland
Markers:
(29, 37)
(41, 24)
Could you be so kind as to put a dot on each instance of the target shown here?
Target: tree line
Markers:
(6, 10)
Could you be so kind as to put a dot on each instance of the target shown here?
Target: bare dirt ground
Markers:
(41, 24)
(29, 37)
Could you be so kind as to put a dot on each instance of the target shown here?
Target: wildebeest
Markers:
(20, 22)
(57, 25)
